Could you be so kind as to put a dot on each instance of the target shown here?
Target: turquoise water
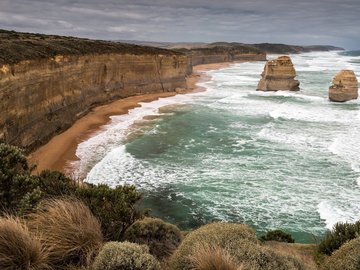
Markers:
(271, 160)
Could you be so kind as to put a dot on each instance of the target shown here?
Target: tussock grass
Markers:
(212, 257)
(19, 248)
(69, 231)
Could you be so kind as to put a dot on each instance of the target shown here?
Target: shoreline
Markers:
(61, 149)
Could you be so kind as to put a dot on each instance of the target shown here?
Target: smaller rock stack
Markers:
(344, 87)
(279, 74)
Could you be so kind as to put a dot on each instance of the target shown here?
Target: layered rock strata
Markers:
(344, 86)
(222, 52)
(42, 97)
(279, 74)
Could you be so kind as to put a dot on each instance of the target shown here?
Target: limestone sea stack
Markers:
(344, 87)
(279, 74)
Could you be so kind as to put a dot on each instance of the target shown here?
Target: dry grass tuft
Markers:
(19, 249)
(70, 232)
(212, 257)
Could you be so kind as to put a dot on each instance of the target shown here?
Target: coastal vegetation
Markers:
(16, 47)
(125, 255)
(50, 222)
(278, 235)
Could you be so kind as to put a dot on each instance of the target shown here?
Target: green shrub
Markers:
(162, 238)
(239, 241)
(20, 249)
(341, 233)
(278, 235)
(21, 192)
(15, 179)
(345, 258)
(115, 208)
(69, 231)
(125, 256)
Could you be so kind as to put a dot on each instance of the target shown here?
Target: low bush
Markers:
(345, 258)
(15, 179)
(211, 257)
(341, 233)
(279, 236)
(114, 207)
(162, 238)
(241, 244)
(20, 249)
(125, 256)
(21, 192)
(69, 231)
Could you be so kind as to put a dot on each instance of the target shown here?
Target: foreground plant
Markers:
(161, 237)
(345, 258)
(125, 256)
(340, 234)
(19, 248)
(241, 244)
(213, 257)
(69, 230)
(279, 236)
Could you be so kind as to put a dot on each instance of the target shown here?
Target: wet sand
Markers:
(61, 149)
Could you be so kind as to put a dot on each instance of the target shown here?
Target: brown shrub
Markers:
(345, 258)
(212, 257)
(19, 249)
(162, 238)
(239, 241)
(69, 231)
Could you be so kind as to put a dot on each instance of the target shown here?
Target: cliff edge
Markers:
(48, 82)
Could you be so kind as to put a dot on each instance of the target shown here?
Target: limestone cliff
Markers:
(344, 87)
(42, 96)
(278, 74)
(222, 52)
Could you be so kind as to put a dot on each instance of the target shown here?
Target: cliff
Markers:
(272, 48)
(222, 52)
(292, 49)
(48, 82)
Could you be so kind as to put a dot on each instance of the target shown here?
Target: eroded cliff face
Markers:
(201, 58)
(40, 98)
(222, 52)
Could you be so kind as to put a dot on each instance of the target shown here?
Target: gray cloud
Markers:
(286, 21)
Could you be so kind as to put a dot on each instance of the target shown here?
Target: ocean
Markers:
(272, 160)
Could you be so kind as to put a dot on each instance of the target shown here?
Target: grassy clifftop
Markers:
(16, 47)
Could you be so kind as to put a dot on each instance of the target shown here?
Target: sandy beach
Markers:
(62, 148)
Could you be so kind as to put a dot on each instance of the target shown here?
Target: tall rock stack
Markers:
(279, 74)
(344, 87)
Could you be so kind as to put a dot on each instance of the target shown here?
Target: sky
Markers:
(301, 22)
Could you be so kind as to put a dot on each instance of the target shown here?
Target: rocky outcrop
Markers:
(344, 86)
(43, 97)
(279, 74)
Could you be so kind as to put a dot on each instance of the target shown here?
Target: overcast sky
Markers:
(303, 22)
